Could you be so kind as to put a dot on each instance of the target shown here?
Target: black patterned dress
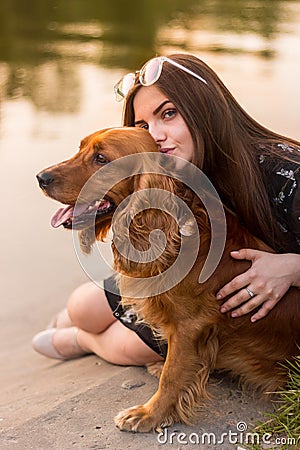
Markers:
(282, 180)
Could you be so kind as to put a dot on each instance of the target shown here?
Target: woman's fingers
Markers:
(240, 281)
(261, 286)
(264, 310)
(251, 305)
(247, 297)
(241, 298)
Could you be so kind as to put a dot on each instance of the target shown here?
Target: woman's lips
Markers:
(167, 151)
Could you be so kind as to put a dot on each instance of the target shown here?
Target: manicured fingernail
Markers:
(253, 319)
(223, 310)
(219, 297)
(235, 251)
(234, 314)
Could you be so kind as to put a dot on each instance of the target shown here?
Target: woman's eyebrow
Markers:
(156, 111)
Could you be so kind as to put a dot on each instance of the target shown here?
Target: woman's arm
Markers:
(269, 278)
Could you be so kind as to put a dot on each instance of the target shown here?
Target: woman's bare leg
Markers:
(89, 310)
(118, 345)
(91, 326)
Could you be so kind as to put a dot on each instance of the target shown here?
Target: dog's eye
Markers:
(100, 159)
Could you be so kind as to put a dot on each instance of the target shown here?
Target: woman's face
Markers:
(156, 113)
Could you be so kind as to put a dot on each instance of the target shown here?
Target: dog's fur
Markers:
(200, 338)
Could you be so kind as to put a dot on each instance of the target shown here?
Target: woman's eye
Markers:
(169, 113)
(145, 126)
(100, 159)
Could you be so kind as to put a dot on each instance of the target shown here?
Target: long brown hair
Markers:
(227, 142)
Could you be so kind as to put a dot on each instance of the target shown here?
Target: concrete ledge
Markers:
(85, 420)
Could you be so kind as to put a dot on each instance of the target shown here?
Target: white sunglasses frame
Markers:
(121, 95)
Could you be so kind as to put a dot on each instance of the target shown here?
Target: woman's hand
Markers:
(267, 280)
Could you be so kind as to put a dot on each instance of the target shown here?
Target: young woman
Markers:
(256, 172)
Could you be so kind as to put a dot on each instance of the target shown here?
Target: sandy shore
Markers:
(72, 405)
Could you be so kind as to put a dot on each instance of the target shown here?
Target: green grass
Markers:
(284, 423)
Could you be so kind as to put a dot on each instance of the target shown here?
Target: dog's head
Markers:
(64, 181)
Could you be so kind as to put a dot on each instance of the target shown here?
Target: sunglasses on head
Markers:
(148, 75)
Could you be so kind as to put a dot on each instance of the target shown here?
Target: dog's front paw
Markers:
(137, 419)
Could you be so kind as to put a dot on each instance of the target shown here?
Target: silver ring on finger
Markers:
(250, 293)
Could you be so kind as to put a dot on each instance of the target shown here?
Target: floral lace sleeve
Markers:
(283, 186)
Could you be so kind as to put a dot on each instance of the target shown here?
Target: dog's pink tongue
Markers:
(61, 216)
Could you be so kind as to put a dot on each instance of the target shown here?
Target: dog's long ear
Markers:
(183, 203)
(146, 230)
(88, 237)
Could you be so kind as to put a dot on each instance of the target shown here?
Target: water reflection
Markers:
(120, 32)
(42, 43)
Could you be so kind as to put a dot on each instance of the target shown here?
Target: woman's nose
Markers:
(157, 133)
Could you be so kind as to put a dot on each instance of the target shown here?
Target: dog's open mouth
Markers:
(81, 216)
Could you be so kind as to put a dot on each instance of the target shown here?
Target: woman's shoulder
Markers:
(285, 156)
(281, 168)
(281, 174)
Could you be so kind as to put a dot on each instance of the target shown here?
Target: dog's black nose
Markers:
(44, 179)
